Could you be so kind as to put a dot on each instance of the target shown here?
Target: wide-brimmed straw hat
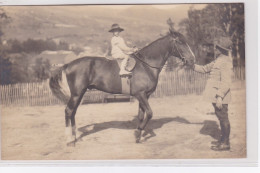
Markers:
(116, 27)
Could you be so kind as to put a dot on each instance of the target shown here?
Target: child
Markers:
(119, 49)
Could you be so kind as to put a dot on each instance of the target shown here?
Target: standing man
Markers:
(217, 90)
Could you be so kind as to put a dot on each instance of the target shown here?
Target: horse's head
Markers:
(180, 48)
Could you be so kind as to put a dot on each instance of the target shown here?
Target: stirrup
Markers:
(125, 73)
(126, 76)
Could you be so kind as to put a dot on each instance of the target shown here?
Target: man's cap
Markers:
(224, 43)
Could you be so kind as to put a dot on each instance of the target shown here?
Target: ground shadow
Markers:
(148, 132)
(211, 128)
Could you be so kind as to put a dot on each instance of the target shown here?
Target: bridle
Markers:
(137, 55)
(175, 40)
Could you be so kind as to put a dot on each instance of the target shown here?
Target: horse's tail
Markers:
(59, 85)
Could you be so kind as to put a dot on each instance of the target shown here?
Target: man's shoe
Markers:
(215, 143)
(221, 147)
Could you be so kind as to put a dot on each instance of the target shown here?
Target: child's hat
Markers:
(116, 27)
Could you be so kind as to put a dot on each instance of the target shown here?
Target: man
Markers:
(119, 49)
(217, 90)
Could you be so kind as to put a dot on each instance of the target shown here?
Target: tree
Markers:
(20, 68)
(196, 31)
(231, 19)
(215, 20)
(5, 70)
(41, 69)
(4, 20)
(23, 68)
(5, 64)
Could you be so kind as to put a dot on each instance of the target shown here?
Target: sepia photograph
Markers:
(123, 82)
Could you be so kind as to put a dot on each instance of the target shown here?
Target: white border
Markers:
(252, 89)
(72, 2)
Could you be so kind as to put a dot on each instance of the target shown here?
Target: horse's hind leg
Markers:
(70, 113)
(140, 114)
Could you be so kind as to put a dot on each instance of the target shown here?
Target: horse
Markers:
(72, 80)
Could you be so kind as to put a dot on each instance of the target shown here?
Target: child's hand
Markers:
(219, 102)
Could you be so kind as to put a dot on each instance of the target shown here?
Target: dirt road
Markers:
(182, 127)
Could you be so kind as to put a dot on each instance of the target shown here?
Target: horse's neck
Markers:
(157, 53)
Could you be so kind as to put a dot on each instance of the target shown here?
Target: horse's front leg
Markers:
(70, 112)
(144, 107)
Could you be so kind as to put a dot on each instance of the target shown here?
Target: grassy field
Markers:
(182, 128)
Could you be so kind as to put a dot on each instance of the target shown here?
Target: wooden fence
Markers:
(170, 83)
(188, 82)
(27, 94)
(180, 83)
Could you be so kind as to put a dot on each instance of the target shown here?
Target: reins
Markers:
(137, 57)
(137, 54)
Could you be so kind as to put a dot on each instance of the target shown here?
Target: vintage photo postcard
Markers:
(123, 82)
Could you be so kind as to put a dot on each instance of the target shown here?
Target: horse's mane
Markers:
(176, 34)
(154, 42)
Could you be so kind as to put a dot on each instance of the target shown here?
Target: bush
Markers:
(23, 68)
(5, 70)
(34, 46)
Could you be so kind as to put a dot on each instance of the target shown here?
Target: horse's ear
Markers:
(172, 32)
(171, 27)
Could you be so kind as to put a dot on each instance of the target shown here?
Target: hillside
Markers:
(88, 25)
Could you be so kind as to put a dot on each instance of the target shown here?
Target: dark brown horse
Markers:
(73, 79)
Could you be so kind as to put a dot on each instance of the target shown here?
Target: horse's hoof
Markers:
(71, 144)
(80, 139)
(145, 134)
(138, 136)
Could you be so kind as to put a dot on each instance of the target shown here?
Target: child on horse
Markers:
(119, 49)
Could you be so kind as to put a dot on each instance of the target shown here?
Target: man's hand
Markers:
(135, 49)
(219, 102)
(190, 65)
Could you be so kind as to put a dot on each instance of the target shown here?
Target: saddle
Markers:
(125, 79)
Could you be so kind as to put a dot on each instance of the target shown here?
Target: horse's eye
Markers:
(179, 41)
(174, 39)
